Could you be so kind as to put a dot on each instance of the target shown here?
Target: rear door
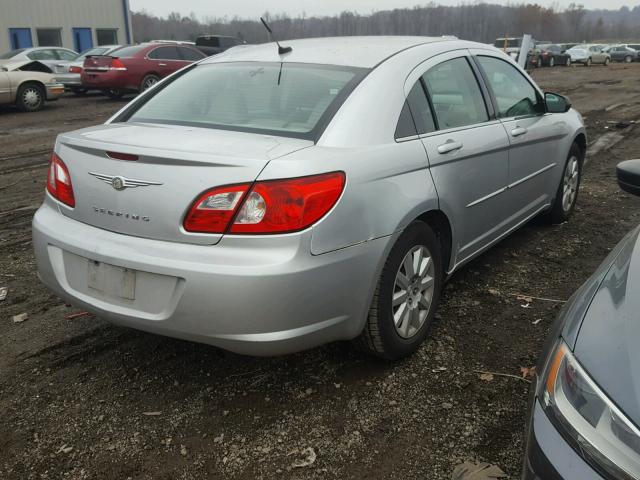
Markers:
(467, 149)
(534, 136)
(165, 60)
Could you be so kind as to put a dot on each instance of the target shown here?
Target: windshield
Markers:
(288, 99)
(128, 52)
(92, 51)
(507, 43)
(12, 53)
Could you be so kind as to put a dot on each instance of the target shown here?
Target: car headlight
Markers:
(590, 421)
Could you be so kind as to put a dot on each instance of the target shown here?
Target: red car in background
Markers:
(135, 68)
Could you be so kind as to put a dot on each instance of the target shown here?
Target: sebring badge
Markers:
(120, 183)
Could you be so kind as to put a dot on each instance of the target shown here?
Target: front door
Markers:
(535, 137)
(20, 38)
(82, 39)
(467, 151)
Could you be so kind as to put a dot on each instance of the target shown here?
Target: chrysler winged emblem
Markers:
(120, 183)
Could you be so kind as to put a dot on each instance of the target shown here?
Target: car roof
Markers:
(365, 52)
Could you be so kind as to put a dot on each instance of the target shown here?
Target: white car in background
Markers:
(589, 54)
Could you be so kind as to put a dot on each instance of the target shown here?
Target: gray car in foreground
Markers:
(586, 401)
(267, 203)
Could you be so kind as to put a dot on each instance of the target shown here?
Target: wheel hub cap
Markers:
(570, 184)
(413, 291)
(31, 97)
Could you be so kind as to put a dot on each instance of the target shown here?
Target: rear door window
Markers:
(165, 53)
(416, 117)
(45, 54)
(514, 95)
(455, 94)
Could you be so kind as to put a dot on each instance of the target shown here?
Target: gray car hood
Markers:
(608, 341)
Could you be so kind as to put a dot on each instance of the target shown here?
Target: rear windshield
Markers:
(127, 52)
(288, 99)
(12, 53)
(92, 51)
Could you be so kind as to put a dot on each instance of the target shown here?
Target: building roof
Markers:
(364, 52)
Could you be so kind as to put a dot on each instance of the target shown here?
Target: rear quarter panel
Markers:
(387, 187)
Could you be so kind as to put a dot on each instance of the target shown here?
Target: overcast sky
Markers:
(255, 8)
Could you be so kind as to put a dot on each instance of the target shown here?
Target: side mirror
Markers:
(556, 103)
(628, 173)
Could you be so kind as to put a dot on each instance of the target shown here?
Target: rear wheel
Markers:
(114, 93)
(567, 194)
(627, 59)
(30, 97)
(148, 82)
(406, 296)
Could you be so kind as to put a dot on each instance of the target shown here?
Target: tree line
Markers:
(479, 22)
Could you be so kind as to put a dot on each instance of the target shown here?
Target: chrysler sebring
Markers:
(267, 200)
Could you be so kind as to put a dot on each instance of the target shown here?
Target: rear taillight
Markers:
(116, 64)
(59, 181)
(75, 69)
(271, 206)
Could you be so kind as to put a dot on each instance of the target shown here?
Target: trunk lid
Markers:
(98, 63)
(175, 164)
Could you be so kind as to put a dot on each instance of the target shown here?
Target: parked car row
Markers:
(547, 54)
(113, 69)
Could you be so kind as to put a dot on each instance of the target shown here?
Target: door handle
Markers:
(162, 64)
(449, 146)
(516, 132)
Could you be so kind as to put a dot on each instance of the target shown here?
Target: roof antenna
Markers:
(281, 50)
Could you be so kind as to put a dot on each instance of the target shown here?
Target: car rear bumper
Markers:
(69, 79)
(549, 456)
(251, 295)
(110, 79)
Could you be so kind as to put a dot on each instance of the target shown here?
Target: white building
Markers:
(75, 24)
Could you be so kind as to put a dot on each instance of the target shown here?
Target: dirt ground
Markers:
(80, 398)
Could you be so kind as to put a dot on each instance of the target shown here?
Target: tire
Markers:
(30, 97)
(606, 62)
(114, 93)
(79, 91)
(565, 203)
(588, 62)
(552, 62)
(538, 62)
(568, 62)
(627, 59)
(382, 336)
(148, 81)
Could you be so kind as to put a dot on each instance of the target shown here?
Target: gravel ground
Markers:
(80, 398)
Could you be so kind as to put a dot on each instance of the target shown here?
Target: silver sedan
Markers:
(268, 202)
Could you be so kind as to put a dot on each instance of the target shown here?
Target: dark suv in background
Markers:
(214, 44)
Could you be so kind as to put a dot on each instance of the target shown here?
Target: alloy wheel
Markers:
(413, 291)
(149, 82)
(570, 183)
